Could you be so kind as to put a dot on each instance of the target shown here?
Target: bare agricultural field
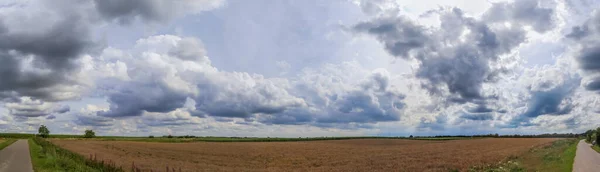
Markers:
(334, 155)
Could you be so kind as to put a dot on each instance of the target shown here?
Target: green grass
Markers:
(557, 156)
(47, 157)
(16, 135)
(7, 143)
(596, 148)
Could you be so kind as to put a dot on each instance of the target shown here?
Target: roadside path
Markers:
(16, 158)
(586, 158)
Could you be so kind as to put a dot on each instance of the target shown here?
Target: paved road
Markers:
(15, 158)
(586, 158)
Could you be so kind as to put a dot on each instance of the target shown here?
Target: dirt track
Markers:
(338, 155)
(16, 158)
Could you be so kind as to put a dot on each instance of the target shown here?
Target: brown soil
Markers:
(335, 155)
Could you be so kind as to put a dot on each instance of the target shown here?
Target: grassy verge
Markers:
(557, 156)
(7, 143)
(596, 148)
(46, 157)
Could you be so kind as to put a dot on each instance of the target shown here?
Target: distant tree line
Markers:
(170, 136)
(548, 135)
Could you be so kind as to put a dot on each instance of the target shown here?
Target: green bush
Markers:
(43, 131)
(89, 134)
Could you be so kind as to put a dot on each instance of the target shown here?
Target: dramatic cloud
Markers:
(43, 63)
(524, 12)
(551, 91)
(175, 118)
(587, 39)
(459, 56)
(87, 117)
(38, 63)
(125, 11)
(162, 80)
(165, 72)
(27, 107)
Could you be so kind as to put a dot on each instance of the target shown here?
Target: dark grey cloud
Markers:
(373, 100)
(547, 102)
(93, 120)
(478, 112)
(290, 117)
(126, 11)
(454, 61)
(590, 59)
(480, 109)
(594, 84)
(477, 116)
(587, 40)
(28, 107)
(54, 50)
(242, 101)
(51, 117)
(175, 118)
(152, 85)
(63, 36)
(132, 99)
(363, 107)
(550, 95)
(62, 109)
(399, 35)
(524, 12)
(370, 101)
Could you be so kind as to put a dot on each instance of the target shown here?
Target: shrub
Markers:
(151, 136)
(89, 134)
(43, 131)
(169, 136)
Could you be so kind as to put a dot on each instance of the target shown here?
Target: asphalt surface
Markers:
(586, 158)
(15, 158)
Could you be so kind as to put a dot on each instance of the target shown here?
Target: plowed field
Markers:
(335, 155)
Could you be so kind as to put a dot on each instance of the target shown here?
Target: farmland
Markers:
(330, 155)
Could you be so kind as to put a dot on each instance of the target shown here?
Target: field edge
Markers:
(7, 143)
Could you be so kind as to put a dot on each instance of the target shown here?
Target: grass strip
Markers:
(47, 157)
(557, 156)
(7, 143)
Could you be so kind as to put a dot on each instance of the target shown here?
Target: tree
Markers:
(597, 133)
(43, 131)
(411, 136)
(588, 135)
(89, 134)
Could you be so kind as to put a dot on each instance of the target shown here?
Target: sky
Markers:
(290, 68)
